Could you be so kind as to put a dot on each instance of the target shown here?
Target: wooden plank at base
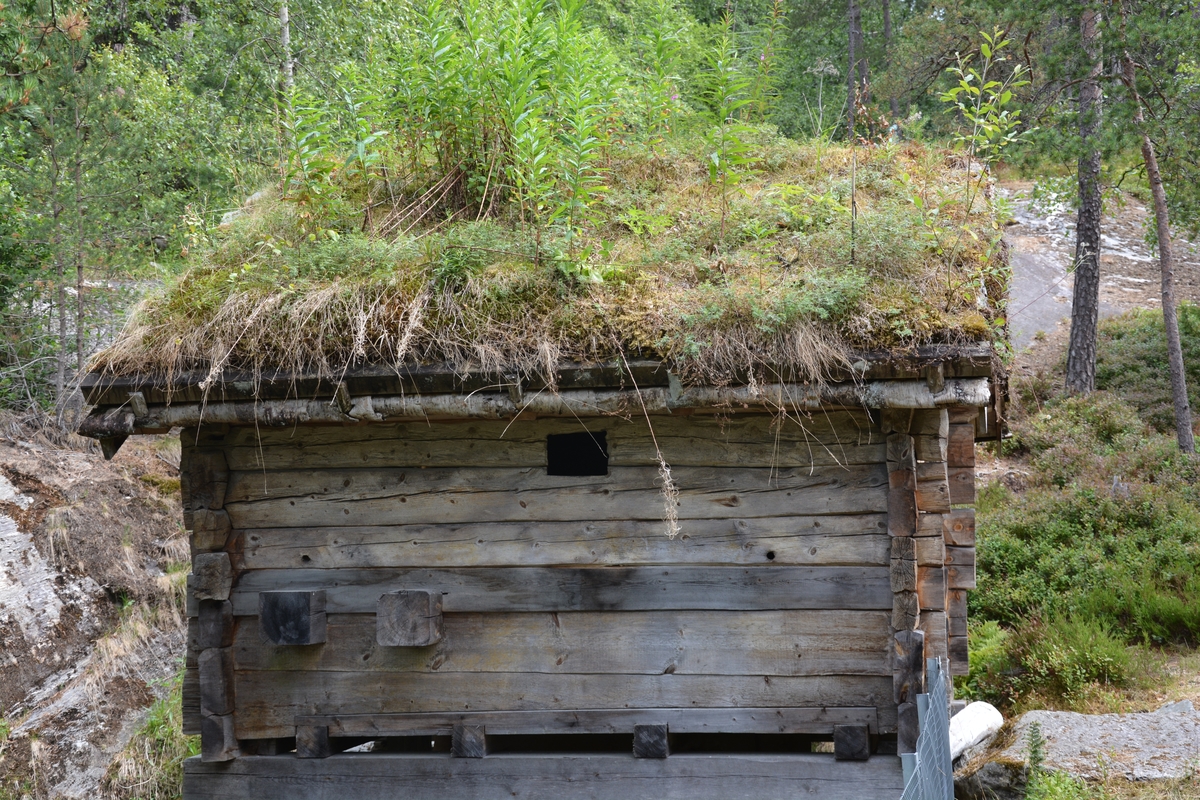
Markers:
(270, 702)
(357, 591)
(619, 721)
(380, 776)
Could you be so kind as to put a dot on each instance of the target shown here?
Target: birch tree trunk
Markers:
(1162, 229)
(285, 46)
(1085, 307)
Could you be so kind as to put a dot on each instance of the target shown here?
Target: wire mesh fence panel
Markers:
(929, 771)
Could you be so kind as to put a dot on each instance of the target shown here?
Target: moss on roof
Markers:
(667, 266)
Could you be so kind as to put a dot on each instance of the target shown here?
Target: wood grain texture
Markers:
(211, 578)
(962, 485)
(270, 701)
(856, 539)
(686, 440)
(218, 741)
(585, 589)
(210, 529)
(956, 611)
(908, 666)
(468, 741)
(648, 643)
(933, 624)
(851, 743)
(930, 551)
(650, 741)
(213, 626)
(312, 741)
(384, 497)
(931, 588)
(958, 527)
(546, 777)
(409, 618)
(216, 681)
(292, 618)
(960, 446)
(622, 721)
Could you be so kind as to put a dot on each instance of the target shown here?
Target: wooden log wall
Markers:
(563, 592)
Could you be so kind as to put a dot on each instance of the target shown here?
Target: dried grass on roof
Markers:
(781, 290)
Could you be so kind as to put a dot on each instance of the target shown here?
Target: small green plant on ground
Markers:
(151, 765)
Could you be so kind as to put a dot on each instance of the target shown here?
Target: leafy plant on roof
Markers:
(730, 155)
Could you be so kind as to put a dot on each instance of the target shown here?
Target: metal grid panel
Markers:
(929, 773)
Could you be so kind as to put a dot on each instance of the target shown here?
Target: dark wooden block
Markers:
(959, 661)
(212, 576)
(409, 618)
(908, 728)
(312, 741)
(650, 741)
(851, 742)
(931, 588)
(292, 618)
(205, 474)
(214, 624)
(267, 747)
(217, 739)
(468, 741)
(956, 611)
(962, 485)
(210, 529)
(908, 666)
(216, 681)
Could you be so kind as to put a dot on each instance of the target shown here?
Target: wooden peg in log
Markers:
(409, 618)
(292, 618)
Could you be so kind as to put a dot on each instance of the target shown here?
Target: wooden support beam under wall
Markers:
(851, 743)
(468, 741)
(651, 741)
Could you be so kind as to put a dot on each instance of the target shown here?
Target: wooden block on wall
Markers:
(961, 576)
(908, 727)
(956, 612)
(903, 574)
(930, 551)
(933, 495)
(931, 588)
(962, 485)
(206, 474)
(650, 741)
(218, 741)
(851, 743)
(409, 618)
(933, 625)
(896, 420)
(930, 422)
(959, 657)
(292, 618)
(214, 624)
(212, 576)
(929, 448)
(210, 529)
(958, 527)
(216, 681)
(906, 611)
(962, 415)
(908, 665)
(468, 741)
(312, 741)
(960, 446)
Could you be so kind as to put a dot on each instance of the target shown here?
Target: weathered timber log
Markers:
(270, 701)
(312, 741)
(468, 741)
(961, 575)
(902, 486)
(218, 741)
(851, 743)
(211, 578)
(933, 625)
(956, 611)
(908, 727)
(908, 666)
(606, 776)
(210, 529)
(933, 493)
(848, 539)
(585, 402)
(214, 624)
(216, 681)
(409, 618)
(651, 740)
(959, 657)
(931, 588)
(605, 721)
(930, 551)
(766, 643)
(585, 589)
(906, 611)
(292, 617)
(204, 477)
(958, 527)
(960, 447)
(962, 485)
(629, 493)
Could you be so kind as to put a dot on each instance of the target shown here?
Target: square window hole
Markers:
(577, 453)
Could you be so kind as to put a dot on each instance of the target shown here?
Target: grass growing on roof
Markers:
(518, 193)
(648, 275)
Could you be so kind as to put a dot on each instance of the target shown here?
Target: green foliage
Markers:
(151, 765)
(1104, 545)
(984, 102)
(730, 154)
(1131, 362)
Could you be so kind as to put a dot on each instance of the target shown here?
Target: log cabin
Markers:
(609, 584)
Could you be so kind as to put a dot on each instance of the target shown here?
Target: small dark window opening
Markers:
(577, 453)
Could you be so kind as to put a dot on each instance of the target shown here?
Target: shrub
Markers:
(1131, 361)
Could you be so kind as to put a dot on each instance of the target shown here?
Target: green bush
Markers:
(1131, 361)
